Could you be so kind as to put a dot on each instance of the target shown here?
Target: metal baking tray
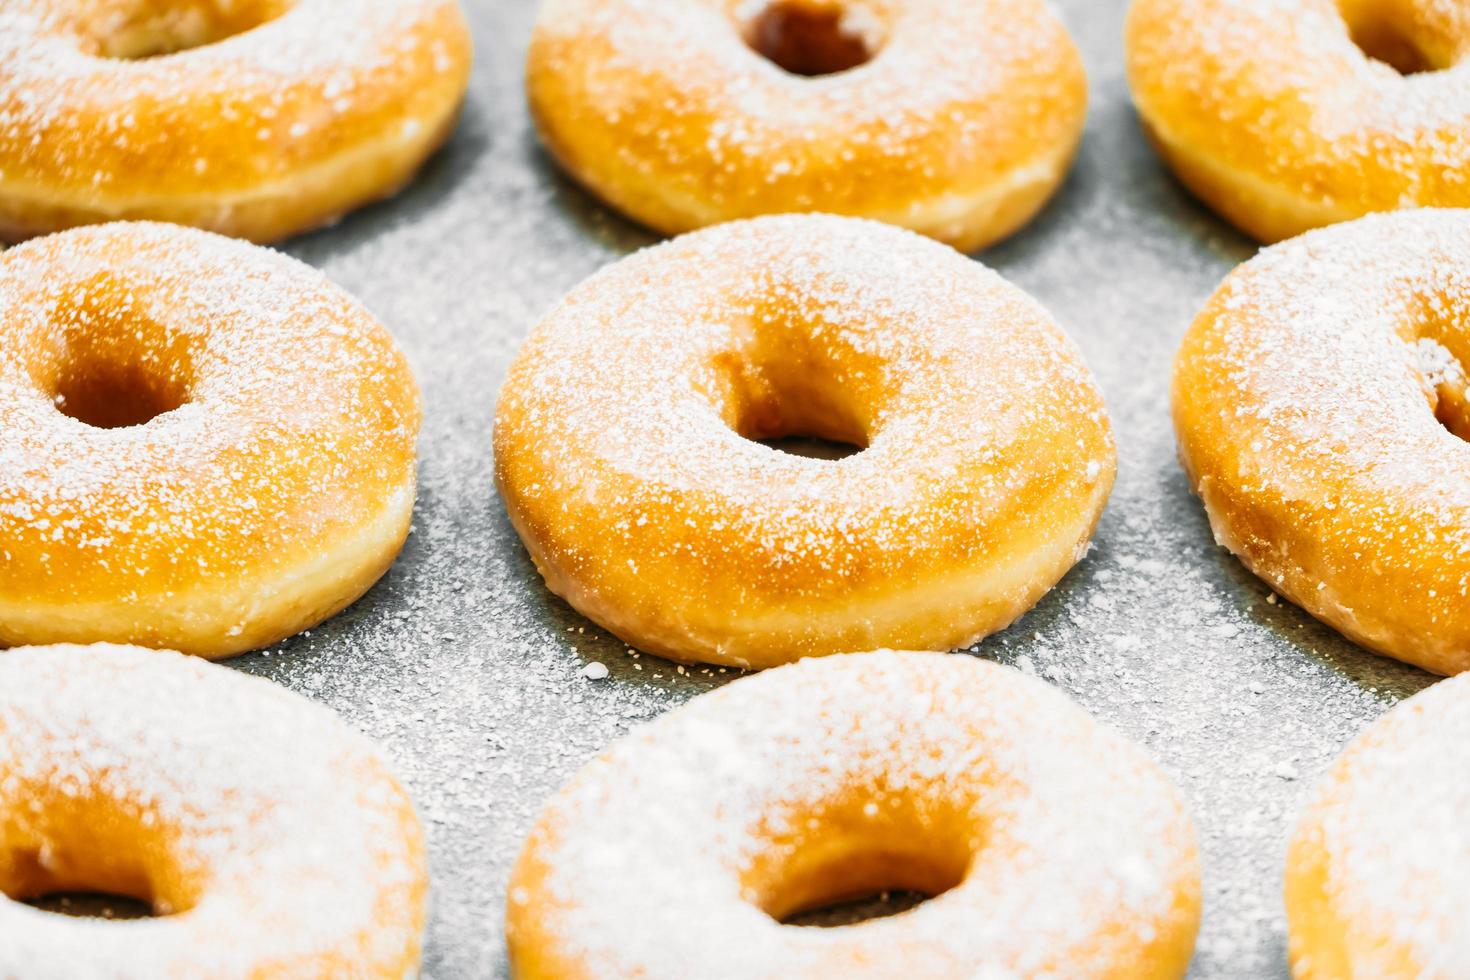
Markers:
(470, 672)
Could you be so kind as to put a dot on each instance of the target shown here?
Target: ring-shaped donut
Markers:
(1378, 875)
(268, 838)
(204, 445)
(1321, 410)
(254, 118)
(624, 445)
(1053, 847)
(960, 124)
(1286, 115)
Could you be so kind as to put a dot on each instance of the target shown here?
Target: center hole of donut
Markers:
(151, 29)
(806, 39)
(812, 447)
(1383, 40)
(867, 857)
(116, 396)
(879, 905)
(93, 905)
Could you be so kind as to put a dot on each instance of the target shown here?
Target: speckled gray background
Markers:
(469, 672)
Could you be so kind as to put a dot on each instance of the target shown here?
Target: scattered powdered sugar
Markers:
(1389, 825)
(1081, 850)
(298, 420)
(303, 848)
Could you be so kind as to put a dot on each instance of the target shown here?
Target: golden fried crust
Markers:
(299, 112)
(276, 484)
(679, 850)
(1317, 399)
(1272, 112)
(1377, 872)
(624, 453)
(960, 127)
(269, 838)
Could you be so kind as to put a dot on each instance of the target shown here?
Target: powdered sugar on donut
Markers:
(305, 850)
(1389, 830)
(298, 423)
(1083, 857)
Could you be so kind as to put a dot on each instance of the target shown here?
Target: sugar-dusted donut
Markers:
(255, 118)
(624, 450)
(1321, 409)
(957, 120)
(1286, 115)
(269, 838)
(204, 445)
(1378, 874)
(1054, 847)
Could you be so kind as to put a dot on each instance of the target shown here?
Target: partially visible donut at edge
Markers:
(960, 121)
(204, 445)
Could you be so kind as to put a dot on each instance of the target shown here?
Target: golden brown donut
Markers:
(1053, 847)
(957, 120)
(204, 445)
(1321, 410)
(1286, 115)
(254, 118)
(269, 838)
(624, 452)
(1378, 874)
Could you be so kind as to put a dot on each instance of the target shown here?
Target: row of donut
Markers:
(683, 848)
(208, 447)
(957, 120)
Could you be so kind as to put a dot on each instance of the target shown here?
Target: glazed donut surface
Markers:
(1321, 410)
(957, 120)
(624, 449)
(270, 839)
(204, 445)
(254, 118)
(678, 851)
(1277, 116)
(1378, 875)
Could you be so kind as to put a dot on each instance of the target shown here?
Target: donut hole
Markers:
(1382, 37)
(91, 856)
(812, 447)
(112, 395)
(810, 39)
(790, 405)
(93, 905)
(136, 29)
(861, 860)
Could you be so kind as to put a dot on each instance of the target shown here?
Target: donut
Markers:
(1321, 409)
(681, 849)
(957, 120)
(268, 838)
(254, 118)
(624, 445)
(1287, 115)
(204, 445)
(1377, 874)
